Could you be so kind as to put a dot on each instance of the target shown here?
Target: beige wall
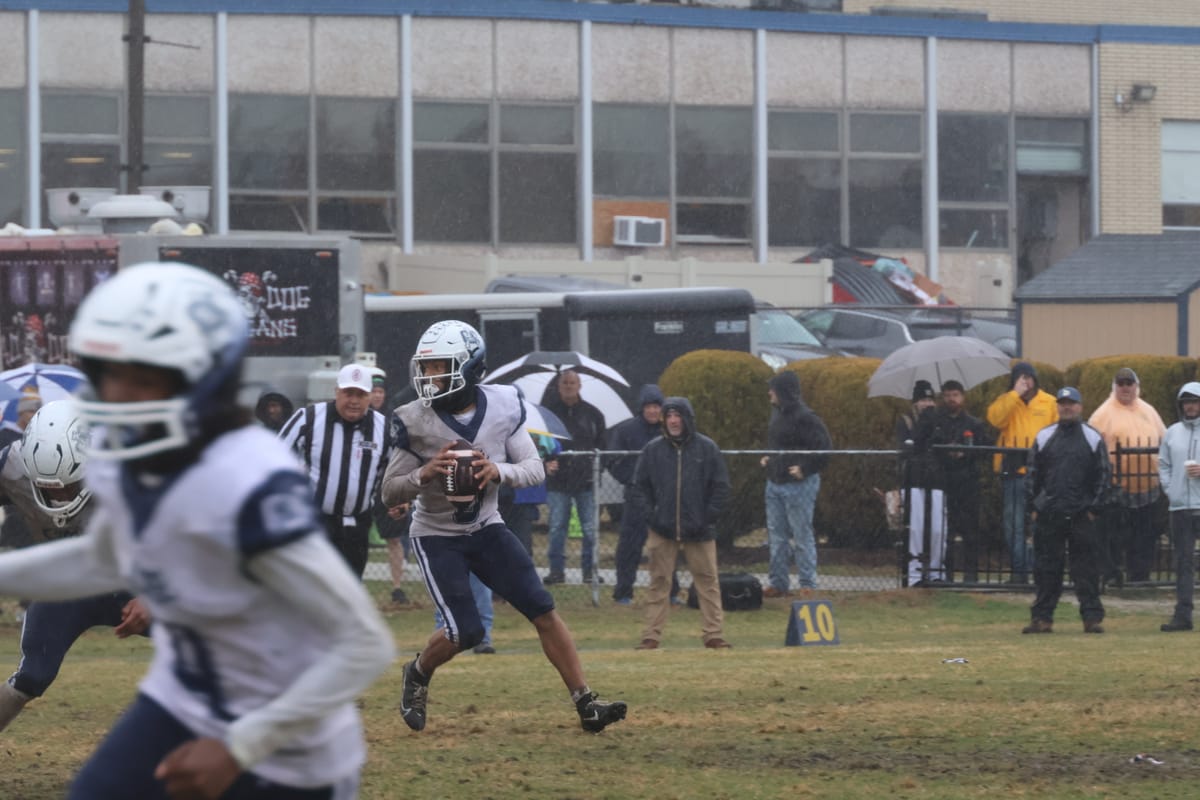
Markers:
(180, 69)
(1062, 333)
(12, 50)
(1130, 141)
(357, 56)
(82, 51)
(1074, 12)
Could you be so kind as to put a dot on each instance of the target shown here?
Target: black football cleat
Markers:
(413, 697)
(595, 715)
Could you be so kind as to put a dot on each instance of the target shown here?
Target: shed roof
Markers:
(1121, 266)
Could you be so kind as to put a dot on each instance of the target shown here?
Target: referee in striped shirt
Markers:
(345, 445)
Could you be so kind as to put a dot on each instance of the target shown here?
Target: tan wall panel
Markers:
(791, 79)
(1073, 12)
(537, 60)
(884, 72)
(974, 76)
(969, 277)
(82, 51)
(269, 54)
(452, 58)
(357, 56)
(1052, 78)
(12, 50)
(631, 64)
(714, 67)
(1061, 333)
(179, 69)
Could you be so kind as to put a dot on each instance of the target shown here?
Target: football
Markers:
(459, 483)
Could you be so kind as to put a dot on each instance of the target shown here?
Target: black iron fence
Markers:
(976, 535)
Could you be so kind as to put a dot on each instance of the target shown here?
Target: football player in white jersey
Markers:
(263, 638)
(451, 540)
(41, 477)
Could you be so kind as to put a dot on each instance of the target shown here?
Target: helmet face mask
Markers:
(458, 346)
(172, 318)
(53, 451)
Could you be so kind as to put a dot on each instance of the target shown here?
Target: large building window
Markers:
(804, 177)
(12, 157)
(81, 140)
(1180, 174)
(537, 174)
(631, 151)
(268, 162)
(452, 184)
(526, 152)
(973, 180)
(885, 180)
(178, 146)
(356, 164)
(713, 174)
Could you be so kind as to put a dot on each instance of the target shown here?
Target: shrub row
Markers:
(728, 391)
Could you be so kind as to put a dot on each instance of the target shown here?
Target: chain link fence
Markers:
(862, 530)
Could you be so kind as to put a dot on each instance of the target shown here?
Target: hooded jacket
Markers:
(1017, 421)
(1134, 425)
(683, 483)
(260, 410)
(1181, 443)
(633, 434)
(794, 426)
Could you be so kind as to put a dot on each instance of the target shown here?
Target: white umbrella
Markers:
(47, 381)
(964, 359)
(592, 389)
(554, 361)
(541, 420)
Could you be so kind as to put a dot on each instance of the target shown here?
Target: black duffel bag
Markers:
(739, 592)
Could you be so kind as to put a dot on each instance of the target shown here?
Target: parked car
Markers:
(782, 339)
(877, 332)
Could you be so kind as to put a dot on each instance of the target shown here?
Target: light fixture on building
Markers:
(1139, 93)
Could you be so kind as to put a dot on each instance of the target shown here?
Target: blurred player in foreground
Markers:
(41, 477)
(263, 638)
(451, 540)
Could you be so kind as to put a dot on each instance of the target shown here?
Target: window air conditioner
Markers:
(639, 231)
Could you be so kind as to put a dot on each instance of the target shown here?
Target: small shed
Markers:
(1119, 293)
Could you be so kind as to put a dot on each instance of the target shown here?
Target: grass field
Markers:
(878, 715)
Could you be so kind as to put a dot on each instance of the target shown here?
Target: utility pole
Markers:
(136, 86)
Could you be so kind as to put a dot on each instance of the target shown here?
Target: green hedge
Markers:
(728, 391)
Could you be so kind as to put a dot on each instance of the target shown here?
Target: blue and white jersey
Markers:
(225, 643)
(495, 427)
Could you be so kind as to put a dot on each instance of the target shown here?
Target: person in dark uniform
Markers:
(950, 424)
(1066, 487)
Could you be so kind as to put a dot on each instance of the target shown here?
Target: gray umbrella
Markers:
(961, 358)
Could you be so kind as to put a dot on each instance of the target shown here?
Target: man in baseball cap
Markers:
(1067, 485)
(355, 376)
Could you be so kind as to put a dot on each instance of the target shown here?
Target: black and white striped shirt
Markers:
(345, 460)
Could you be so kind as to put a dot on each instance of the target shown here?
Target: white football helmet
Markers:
(53, 450)
(170, 316)
(456, 343)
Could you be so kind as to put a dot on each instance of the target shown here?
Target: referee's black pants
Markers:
(350, 535)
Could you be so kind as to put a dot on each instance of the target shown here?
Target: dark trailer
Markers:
(637, 331)
(640, 332)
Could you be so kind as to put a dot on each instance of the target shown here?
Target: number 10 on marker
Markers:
(811, 623)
